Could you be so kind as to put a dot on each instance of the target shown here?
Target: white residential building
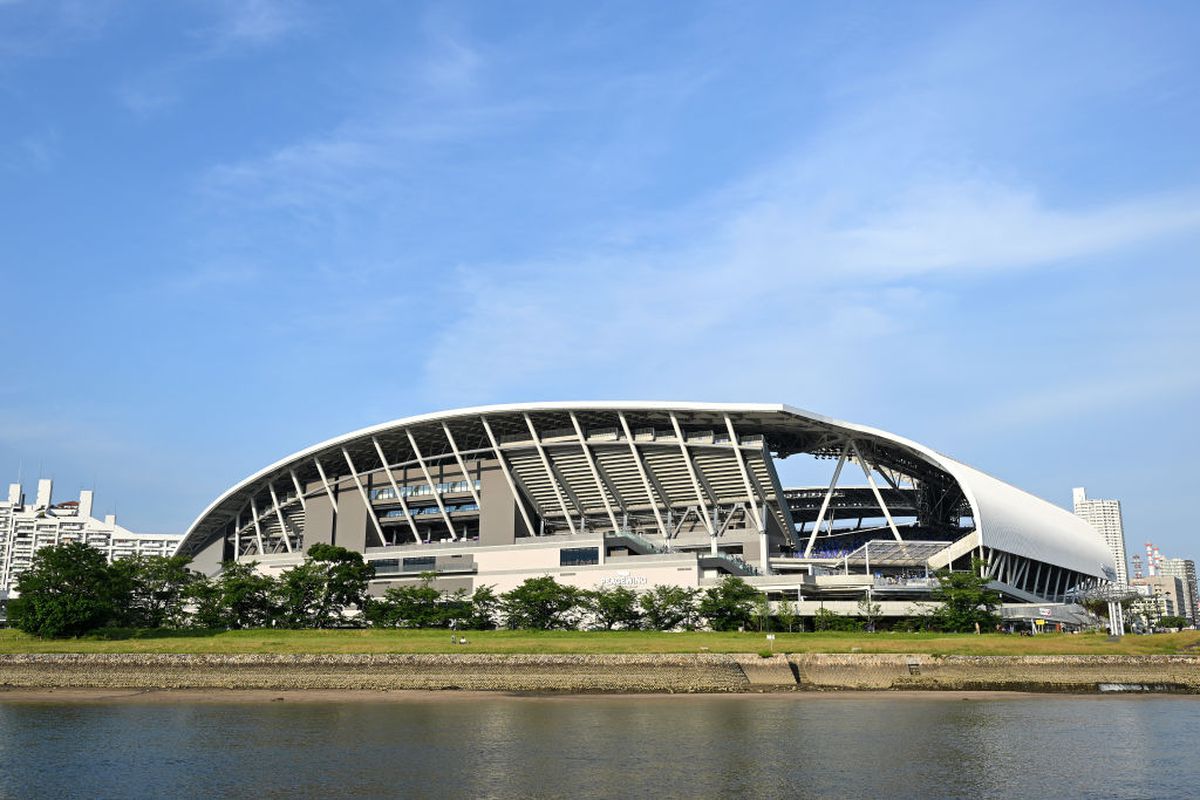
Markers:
(1105, 517)
(27, 527)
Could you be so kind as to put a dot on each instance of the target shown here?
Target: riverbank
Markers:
(601, 673)
(418, 696)
(394, 641)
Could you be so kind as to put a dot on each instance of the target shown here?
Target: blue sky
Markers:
(231, 230)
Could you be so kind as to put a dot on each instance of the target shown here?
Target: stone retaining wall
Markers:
(600, 673)
(1019, 673)
(514, 673)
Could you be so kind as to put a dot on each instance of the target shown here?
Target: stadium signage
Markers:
(623, 578)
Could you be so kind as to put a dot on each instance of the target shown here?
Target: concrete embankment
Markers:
(603, 673)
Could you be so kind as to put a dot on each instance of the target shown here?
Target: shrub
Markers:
(826, 620)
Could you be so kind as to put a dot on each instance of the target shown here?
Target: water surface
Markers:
(442, 745)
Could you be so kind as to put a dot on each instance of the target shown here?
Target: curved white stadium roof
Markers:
(1006, 518)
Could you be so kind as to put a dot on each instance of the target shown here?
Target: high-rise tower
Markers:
(1185, 570)
(1105, 517)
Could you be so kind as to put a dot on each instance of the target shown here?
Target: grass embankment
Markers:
(550, 642)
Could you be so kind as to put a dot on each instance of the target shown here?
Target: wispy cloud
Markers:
(38, 152)
(36, 29)
(258, 22)
(231, 28)
(452, 61)
(831, 248)
(832, 268)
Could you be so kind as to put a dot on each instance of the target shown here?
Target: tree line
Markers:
(70, 590)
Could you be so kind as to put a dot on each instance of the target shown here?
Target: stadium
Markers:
(638, 494)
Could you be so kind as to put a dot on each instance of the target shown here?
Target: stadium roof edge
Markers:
(1006, 516)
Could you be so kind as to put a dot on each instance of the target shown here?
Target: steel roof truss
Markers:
(587, 455)
(283, 527)
(508, 476)
(325, 483)
(362, 492)
(462, 465)
(867, 471)
(412, 525)
(551, 475)
(691, 470)
(299, 490)
(437, 496)
(837, 471)
(257, 527)
(642, 472)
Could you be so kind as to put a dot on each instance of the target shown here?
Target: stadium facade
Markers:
(638, 493)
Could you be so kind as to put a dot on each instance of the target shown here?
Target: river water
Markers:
(467, 745)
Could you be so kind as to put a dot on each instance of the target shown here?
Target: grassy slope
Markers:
(397, 641)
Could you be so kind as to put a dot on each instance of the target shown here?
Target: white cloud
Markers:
(258, 22)
(38, 152)
(829, 252)
(783, 276)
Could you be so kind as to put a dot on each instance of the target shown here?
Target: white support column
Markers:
(325, 483)
(362, 492)
(462, 465)
(299, 490)
(600, 487)
(550, 476)
(862, 462)
(837, 471)
(1022, 573)
(412, 525)
(691, 470)
(751, 497)
(262, 550)
(641, 468)
(437, 496)
(678, 526)
(512, 485)
(283, 528)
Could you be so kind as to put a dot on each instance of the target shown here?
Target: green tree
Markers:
(454, 610)
(205, 596)
(1172, 622)
(67, 591)
(541, 604)
(869, 611)
(761, 612)
(347, 577)
(150, 591)
(413, 605)
(666, 608)
(614, 607)
(239, 597)
(965, 600)
(302, 594)
(785, 612)
(318, 592)
(485, 606)
(728, 605)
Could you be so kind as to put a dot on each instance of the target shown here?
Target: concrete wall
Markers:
(500, 520)
(350, 523)
(318, 521)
